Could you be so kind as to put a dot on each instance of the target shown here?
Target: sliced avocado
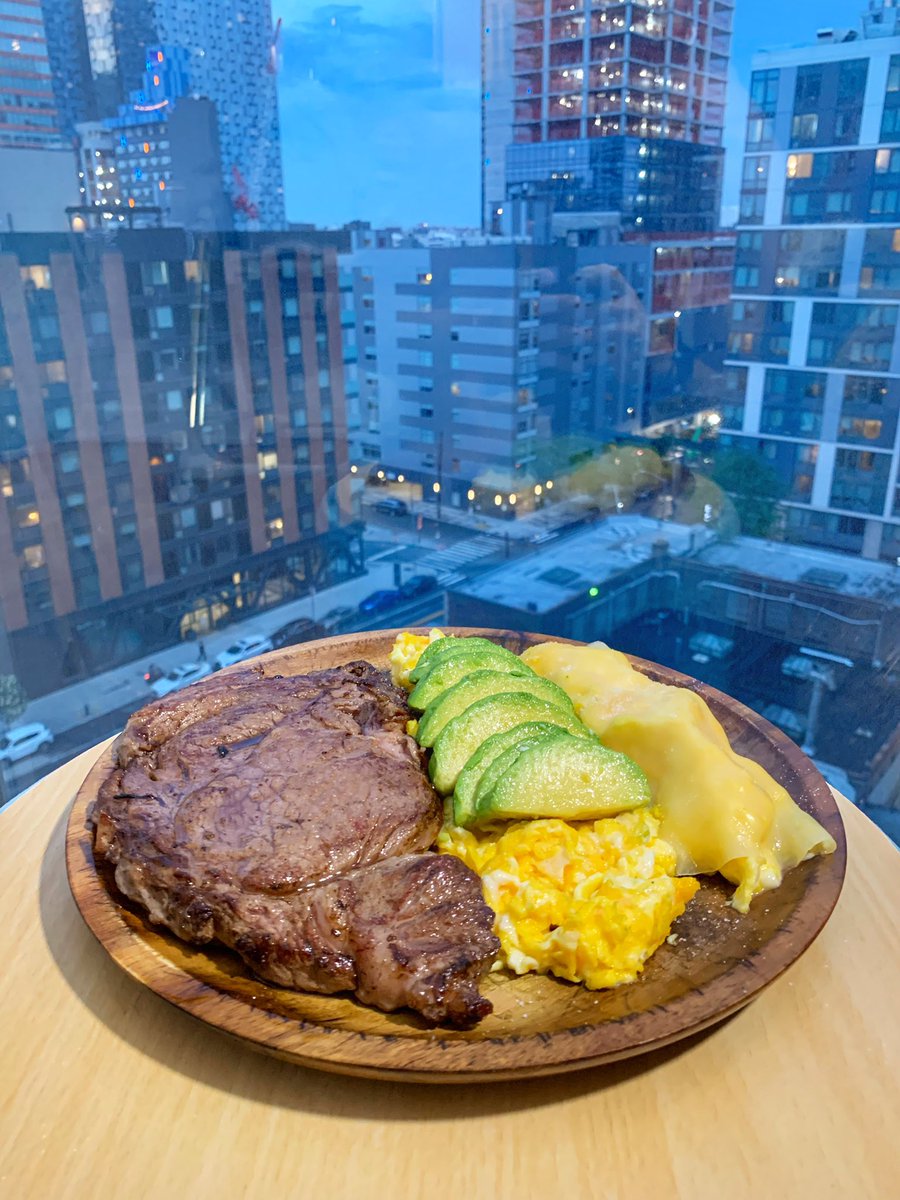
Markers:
(454, 667)
(461, 737)
(436, 650)
(470, 776)
(474, 687)
(577, 779)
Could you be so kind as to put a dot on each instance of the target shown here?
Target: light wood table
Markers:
(108, 1091)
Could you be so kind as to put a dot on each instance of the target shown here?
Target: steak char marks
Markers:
(289, 819)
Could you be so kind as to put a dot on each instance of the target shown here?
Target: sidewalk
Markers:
(543, 520)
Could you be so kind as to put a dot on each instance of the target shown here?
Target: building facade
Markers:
(157, 162)
(467, 357)
(615, 106)
(105, 59)
(232, 61)
(37, 162)
(813, 377)
(29, 115)
(172, 440)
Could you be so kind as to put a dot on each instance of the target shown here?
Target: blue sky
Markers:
(380, 106)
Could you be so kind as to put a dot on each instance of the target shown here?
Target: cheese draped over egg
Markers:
(720, 811)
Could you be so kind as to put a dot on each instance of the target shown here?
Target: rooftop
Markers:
(571, 566)
(845, 573)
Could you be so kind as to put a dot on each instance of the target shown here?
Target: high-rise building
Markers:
(172, 439)
(29, 116)
(813, 381)
(616, 106)
(37, 163)
(158, 160)
(232, 62)
(74, 86)
(104, 51)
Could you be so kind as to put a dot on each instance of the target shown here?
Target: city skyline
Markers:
(357, 124)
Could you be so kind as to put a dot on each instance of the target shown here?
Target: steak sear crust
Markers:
(288, 818)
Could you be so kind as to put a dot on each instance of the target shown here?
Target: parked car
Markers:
(245, 647)
(379, 601)
(180, 677)
(24, 740)
(153, 673)
(417, 585)
(790, 722)
(704, 646)
(392, 505)
(337, 618)
(304, 629)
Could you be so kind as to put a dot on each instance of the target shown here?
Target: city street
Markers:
(463, 543)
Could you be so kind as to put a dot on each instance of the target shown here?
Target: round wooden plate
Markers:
(719, 961)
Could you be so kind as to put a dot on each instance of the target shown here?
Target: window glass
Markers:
(602, 299)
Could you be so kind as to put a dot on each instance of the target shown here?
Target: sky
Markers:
(380, 103)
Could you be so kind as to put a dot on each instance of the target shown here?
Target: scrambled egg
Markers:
(587, 901)
(405, 653)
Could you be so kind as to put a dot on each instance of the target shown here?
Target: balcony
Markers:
(567, 29)
(529, 35)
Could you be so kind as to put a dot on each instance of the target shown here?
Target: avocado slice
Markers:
(576, 779)
(454, 667)
(436, 650)
(474, 687)
(461, 737)
(471, 775)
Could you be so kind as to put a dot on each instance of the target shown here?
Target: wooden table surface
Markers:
(108, 1091)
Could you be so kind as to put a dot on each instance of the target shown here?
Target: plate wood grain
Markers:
(719, 961)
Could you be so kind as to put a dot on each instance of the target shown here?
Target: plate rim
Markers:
(435, 1058)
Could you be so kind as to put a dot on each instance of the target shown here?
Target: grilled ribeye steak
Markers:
(288, 818)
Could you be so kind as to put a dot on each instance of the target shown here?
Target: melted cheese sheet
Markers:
(720, 812)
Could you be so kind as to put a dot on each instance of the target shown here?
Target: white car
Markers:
(245, 647)
(180, 677)
(24, 740)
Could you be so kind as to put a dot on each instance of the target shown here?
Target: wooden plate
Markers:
(540, 1025)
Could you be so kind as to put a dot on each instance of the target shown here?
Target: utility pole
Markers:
(821, 678)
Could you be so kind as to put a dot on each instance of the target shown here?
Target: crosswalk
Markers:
(445, 564)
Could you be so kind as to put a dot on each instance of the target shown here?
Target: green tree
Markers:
(754, 488)
(12, 699)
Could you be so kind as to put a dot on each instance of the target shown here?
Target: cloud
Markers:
(341, 48)
(380, 113)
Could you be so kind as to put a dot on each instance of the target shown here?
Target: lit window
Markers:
(799, 166)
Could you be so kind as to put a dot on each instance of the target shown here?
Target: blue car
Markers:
(379, 602)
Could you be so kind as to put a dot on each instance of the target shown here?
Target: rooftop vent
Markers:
(820, 577)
